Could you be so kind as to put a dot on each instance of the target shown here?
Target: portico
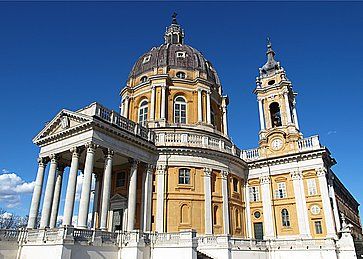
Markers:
(95, 141)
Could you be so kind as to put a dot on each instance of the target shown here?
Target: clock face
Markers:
(276, 144)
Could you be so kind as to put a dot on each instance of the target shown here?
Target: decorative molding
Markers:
(265, 179)
(224, 175)
(207, 172)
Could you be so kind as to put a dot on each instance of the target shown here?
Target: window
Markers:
(146, 59)
(237, 219)
(257, 214)
(235, 184)
(143, 79)
(271, 82)
(180, 75)
(254, 193)
(120, 179)
(285, 218)
(212, 117)
(180, 110)
(275, 114)
(215, 215)
(312, 187)
(281, 191)
(143, 109)
(180, 54)
(318, 227)
(184, 176)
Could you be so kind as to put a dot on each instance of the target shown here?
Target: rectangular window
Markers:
(184, 176)
(235, 184)
(318, 227)
(312, 187)
(281, 191)
(120, 179)
(254, 193)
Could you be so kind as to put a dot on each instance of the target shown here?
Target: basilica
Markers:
(169, 181)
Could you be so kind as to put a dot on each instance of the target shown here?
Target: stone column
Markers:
(126, 107)
(86, 186)
(225, 202)
(200, 115)
(301, 208)
(296, 121)
(56, 197)
(267, 206)
(34, 207)
(328, 213)
(225, 121)
(287, 105)
(248, 211)
(95, 201)
(49, 191)
(209, 120)
(163, 102)
(161, 175)
(71, 188)
(335, 205)
(148, 197)
(131, 207)
(152, 104)
(208, 201)
(261, 113)
(106, 191)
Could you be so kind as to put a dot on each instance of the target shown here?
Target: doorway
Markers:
(258, 230)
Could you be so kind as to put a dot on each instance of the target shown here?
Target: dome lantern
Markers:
(174, 34)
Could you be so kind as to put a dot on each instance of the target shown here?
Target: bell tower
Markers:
(277, 107)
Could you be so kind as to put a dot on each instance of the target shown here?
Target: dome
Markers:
(174, 54)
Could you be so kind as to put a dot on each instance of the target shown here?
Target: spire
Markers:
(174, 34)
(271, 65)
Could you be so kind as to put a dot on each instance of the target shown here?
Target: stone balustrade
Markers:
(309, 143)
(250, 154)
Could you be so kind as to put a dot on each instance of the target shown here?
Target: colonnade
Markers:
(49, 211)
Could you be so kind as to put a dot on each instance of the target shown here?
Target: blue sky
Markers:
(67, 55)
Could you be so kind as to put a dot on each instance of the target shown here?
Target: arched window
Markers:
(180, 110)
(143, 79)
(275, 114)
(143, 109)
(215, 215)
(184, 176)
(285, 218)
(181, 75)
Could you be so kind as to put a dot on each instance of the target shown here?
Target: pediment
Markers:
(118, 198)
(63, 122)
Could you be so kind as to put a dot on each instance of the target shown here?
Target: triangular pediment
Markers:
(118, 197)
(63, 122)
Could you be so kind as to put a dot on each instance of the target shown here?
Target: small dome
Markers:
(174, 54)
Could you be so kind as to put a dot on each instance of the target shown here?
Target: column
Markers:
(248, 211)
(209, 120)
(267, 206)
(148, 198)
(225, 202)
(261, 113)
(126, 107)
(163, 102)
(86, 186)
(56, 197)
(225, 126)
(131, 207)
(34, 207)
(49, 190)
(301, 208)
(96, 195)
(287, 105)
(161, 179)
(208, 201)
(71, 188)
(200, 115)
(335, 205)
(296, 121)
(328, 213)
(106, 190)
(152, 104)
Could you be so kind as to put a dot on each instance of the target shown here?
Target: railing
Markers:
(83, 234)
(119, 121)
(309, 143)
(187, 139)
(250, 154)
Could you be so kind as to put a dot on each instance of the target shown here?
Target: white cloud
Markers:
(79, 186)
(330, 132)
(12, 187)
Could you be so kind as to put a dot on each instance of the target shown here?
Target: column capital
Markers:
(153, 87)
(224, 174)
(91, 147)
(161, 169)
(265, 179)
(108, 153)
(42, 161)
(76, 151)
(207, 172)
(150, 168)
(134, 162)
(296, 175)
(54, 158)
(321, 172)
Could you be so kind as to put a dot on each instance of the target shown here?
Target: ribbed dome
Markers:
(167, 55)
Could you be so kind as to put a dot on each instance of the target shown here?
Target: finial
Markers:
(268, 41)
(174, 21)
